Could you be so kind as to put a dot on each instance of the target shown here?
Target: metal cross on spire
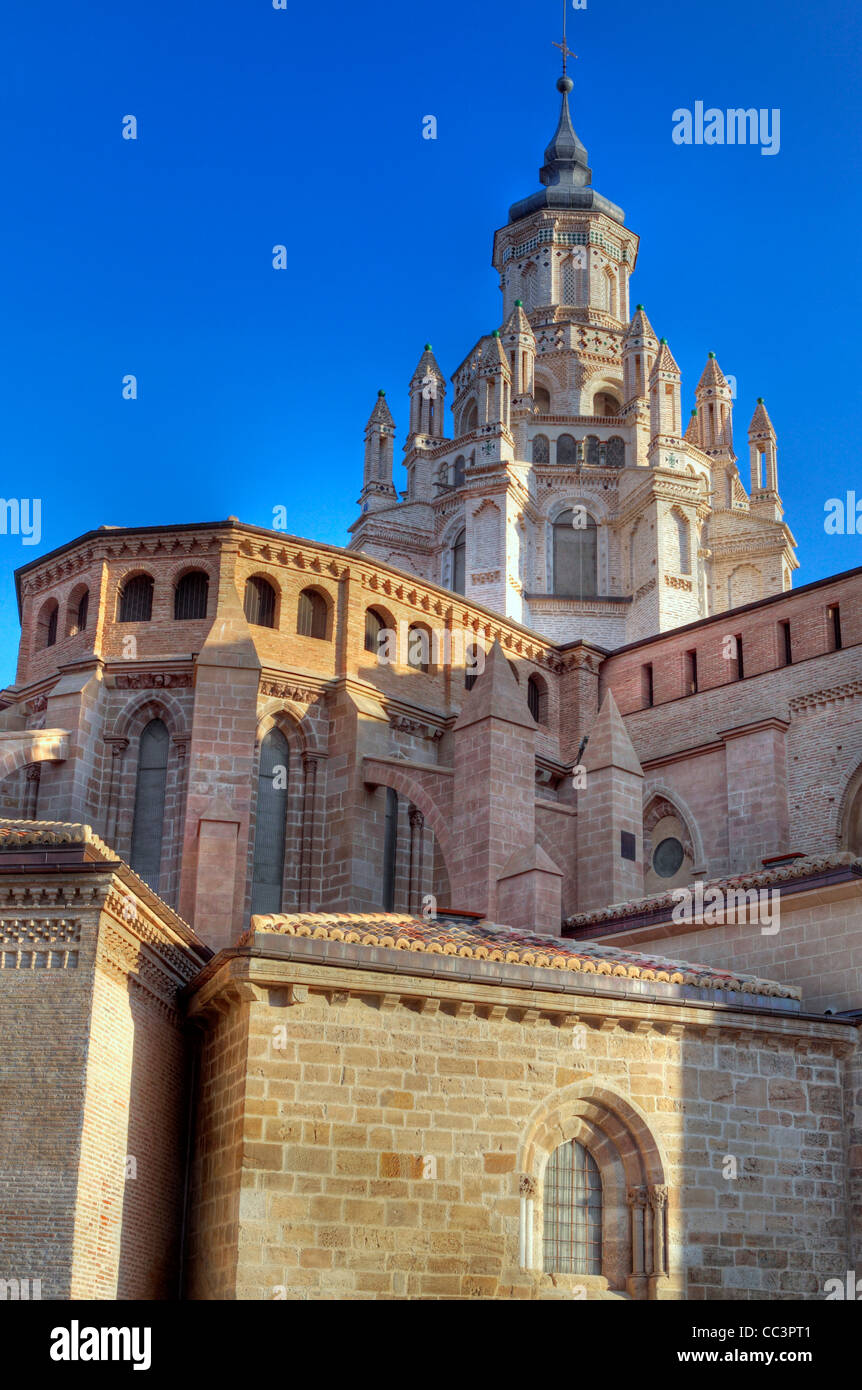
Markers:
(566, 51)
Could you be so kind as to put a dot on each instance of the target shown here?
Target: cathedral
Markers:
(471, 911)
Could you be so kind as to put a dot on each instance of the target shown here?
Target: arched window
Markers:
(390, 846)
(190, 596)
(567, 451)
(259, 602)
(82, 612)
(148, 824)
(48, 623)
(458, 471)
(537, 699)
(470, 418)
(541, 449)
(575, 555)
(683, 540)
(77, 609)
(375, 624)
(605, 404)
(268, 870)
(136, 599)
(616, 456)
(592, 451)
(542, 400)
(419, 648)
(311, 615)
(459, 563)
(530, 286)
(570, 281)
(572, 1212)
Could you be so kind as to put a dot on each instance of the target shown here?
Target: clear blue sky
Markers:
(259, 126)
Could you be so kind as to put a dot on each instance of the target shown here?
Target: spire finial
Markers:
(565, 83)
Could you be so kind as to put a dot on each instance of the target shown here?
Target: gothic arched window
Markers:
(311, 615)
(190, 596)
(269, 829)
(567, 451)
(575, 555)
(470, 419)
(572, 1212)
(259, 602)
(136, 600)
(148, 825)
(459, 563)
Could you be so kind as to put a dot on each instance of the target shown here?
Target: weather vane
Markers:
(566, 51)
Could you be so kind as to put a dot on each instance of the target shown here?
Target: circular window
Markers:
(668, 857)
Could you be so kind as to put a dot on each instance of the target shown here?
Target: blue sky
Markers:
(304, 127)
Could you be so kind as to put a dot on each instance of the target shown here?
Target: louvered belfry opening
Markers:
(259, 602)
(572, 1212)
(136, 599)
(190, 596)
(148, 824)
(269, 831)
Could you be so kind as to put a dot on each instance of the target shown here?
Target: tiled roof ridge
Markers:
(492, 942)
(18, 833)
(803, 867)
(22, 834)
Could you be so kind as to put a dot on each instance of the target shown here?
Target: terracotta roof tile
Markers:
(491, 942)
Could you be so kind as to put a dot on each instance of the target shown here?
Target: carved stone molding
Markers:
(154, 680)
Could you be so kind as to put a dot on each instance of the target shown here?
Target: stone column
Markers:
(308, 841)
(637, 1202)
(118, 748)
(32, 799)
(417, 855)
(658, 1203)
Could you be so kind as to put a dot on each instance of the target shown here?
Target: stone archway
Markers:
(20, 748)
(618, 1137)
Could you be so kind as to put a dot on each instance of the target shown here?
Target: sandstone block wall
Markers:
(390, 1127)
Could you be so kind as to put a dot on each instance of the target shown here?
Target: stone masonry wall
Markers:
(389, 1121)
